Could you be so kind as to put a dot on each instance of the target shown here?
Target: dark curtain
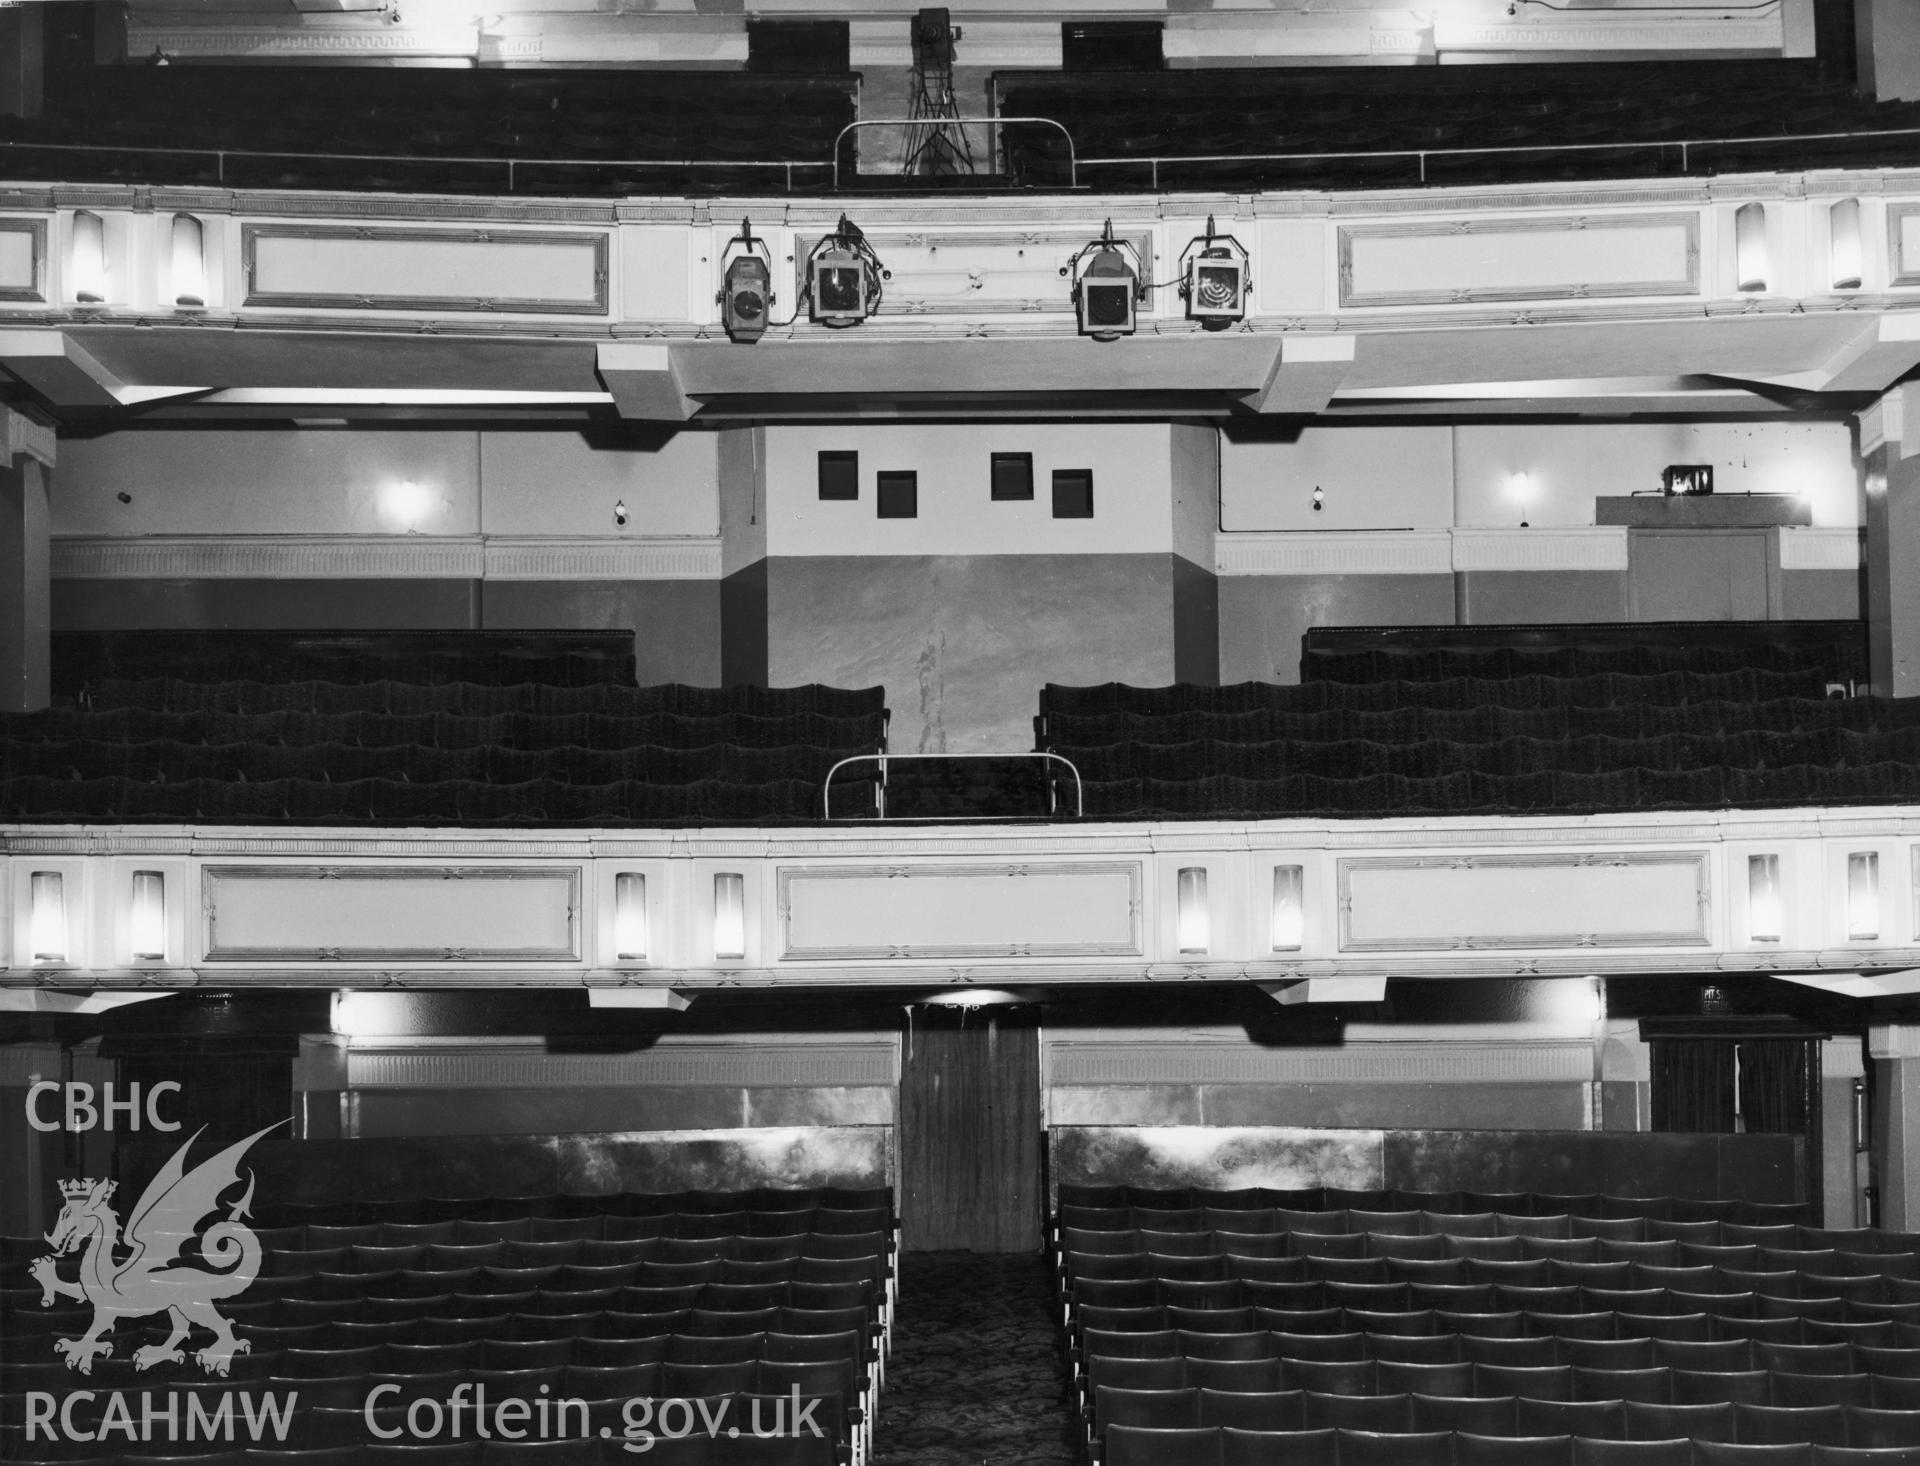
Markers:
(1773, 1085)
(1693, 1085)
(970, 1131)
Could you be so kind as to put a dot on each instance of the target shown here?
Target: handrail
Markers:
(883, 759)
(1629, 145)
(220, 156)
(1073, 167)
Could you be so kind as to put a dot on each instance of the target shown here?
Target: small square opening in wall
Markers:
(1013, 475)
(899, 494)
(1073, 493)
(839, 474)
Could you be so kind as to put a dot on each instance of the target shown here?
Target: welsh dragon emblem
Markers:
(143, 1273)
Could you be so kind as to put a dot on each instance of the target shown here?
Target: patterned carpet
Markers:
(978, 1374)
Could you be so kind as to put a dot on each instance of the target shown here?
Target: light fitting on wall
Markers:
(47, 930)
(1763, 898)
(1750, 262)
(1863, 895)
(1520, 485)
(189, 263)
(630, 916)
(729, 915)
(844, 277)
(147, 920)
(89, 258)
(1845, 255)
(1215, 282)
(1190, 911)
(1289, 908)
(620, 511)
(746, 290)
(1107, 286)
(404, 503)
(1319, 498)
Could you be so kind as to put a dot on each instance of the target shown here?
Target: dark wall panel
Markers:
(743, 627)
(1820, 595)
(265, 605)
(1528, 597)
(1263, 617)
(963, 644)
(1196, 623)
(1466, 1106)
(675, 623)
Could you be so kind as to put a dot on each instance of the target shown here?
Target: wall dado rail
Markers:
(1783, 891)
(99, 253)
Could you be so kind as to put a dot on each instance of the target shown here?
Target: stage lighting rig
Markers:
(1107, 286)
(746, 292)
(844, 277)
(1215, 281)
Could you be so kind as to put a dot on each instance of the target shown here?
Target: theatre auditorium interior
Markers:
(1055, 733)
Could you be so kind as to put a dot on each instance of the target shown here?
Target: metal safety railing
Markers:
(510, 169)
(1073, 167)
(1683, 146)
(509, 166)
(883, 759)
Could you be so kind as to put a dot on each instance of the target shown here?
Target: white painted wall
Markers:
(1569, 465)
(290, 481)
(1132, 490)
(1372, 478)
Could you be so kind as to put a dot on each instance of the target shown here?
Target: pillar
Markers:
(1842, 1066)
(1886, 36)
(1895, 1051)
(26, 469)
(1890, 467)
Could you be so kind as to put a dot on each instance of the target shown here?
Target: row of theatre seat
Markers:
(709, 1296)
(1352, 1327)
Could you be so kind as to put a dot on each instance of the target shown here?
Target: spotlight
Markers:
(1106, 285)
(746, 294)
(1215, 283)
(844, 277)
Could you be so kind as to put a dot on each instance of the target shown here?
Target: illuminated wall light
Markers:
(47, 916)
(148, 926)
(729, 914)
(1520, 485)
(1763, 898)
(1190, 902)
(404, 503)
(1847, 257)
(1863, 895)
(189, 262)
(1750, 247)
(1289, 908)
(89, 258)
(630, 916)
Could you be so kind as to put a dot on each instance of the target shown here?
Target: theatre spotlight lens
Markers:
(746, 298)
(1217, 293)
(1107, 292)
(839, 289)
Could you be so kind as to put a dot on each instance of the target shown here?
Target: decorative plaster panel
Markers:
(1201, 1062)
(23, 260)
(1532, 258)
(1623, 30)
(909, 911)
(1600, 548)
(312, 42)
(268, 557)
(448, 914)
(761, 1063)
(1638, 899)
(1334, 552)
(563, 558)
(1819, 549)
(320, 266)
